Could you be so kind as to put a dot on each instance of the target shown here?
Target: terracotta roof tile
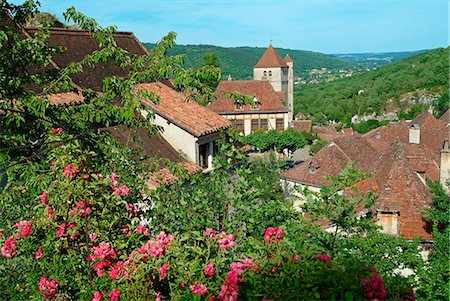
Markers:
(269, 100)
(358, 150)
(79, 43)
(445, 118)
(190, 116)
(302, 125)
(432, 137)
(165, 176)
(402, 189)
(329, 133)
(395, 165)
(288, 59)
(329, 161)
(156, 148)
(270, 58)
(426, 119)
(67, 98)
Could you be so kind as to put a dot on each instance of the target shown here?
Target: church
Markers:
(272, 89)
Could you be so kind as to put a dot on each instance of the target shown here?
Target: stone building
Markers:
(400, 157)
(280, 73)
(188, 127)
(272, 89)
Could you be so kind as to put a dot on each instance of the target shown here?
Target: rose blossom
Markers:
(142, 230)
(122, 190)
(273, 234)
(8, 248)
(71, 171)
(114, 295)
(57, 130)
(226, 241)
(163, 271)
(39, 254)
(97, 296)
(61, 230)
(323, 257)
(209, 270)
(25, 228)
(374, 287)
(43, 197)
(210, 232)
(48, 288)
(198, 288)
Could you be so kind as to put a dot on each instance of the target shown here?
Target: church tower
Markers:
(280, 73)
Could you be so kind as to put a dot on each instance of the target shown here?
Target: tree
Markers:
(74, 200)
(441, 104)
(341, 205)
(211, 59)
(435, 279)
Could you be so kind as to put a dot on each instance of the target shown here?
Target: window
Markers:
(388, 219)
(255, 124)
(270, 73)
(239, 124)
(265, 73)
(256, 105)
(280, 124)
(238, 106)
(263, 124)
(203, 151)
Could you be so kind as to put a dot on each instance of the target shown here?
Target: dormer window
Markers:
(238, 106)
(255, 105)
(312, 169)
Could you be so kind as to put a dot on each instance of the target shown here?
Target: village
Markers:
(399, 160)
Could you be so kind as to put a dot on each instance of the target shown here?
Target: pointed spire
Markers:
(288, 59)
(270, 58)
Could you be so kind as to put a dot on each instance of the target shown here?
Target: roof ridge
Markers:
(82, 31)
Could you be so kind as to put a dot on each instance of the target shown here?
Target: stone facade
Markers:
(280, 73)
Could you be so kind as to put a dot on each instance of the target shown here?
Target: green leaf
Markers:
(348, 296)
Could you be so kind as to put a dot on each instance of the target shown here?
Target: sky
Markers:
(328, 26)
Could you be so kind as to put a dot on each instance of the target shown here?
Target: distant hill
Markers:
(370, 60)
(387, 88)
(239, 61)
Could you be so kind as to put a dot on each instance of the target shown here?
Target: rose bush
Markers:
(79, 222)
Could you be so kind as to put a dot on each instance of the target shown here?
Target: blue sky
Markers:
(328, 26)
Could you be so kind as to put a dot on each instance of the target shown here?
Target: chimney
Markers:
(229, 77)
(414, 134)
(444, 172)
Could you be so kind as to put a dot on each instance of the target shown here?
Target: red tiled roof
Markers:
(401, 189)
(328, 162)
(269, 100)
(165, 176)
(155, 148)
(358, 150)
(329, 133)
(66, 98)
(432, 137)
(270, 58)
(426, 119)
(288, 59)
(79, 43)
(302, 125)
(445, 118)
(190, 116)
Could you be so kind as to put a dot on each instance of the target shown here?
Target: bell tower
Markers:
(280, 73)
